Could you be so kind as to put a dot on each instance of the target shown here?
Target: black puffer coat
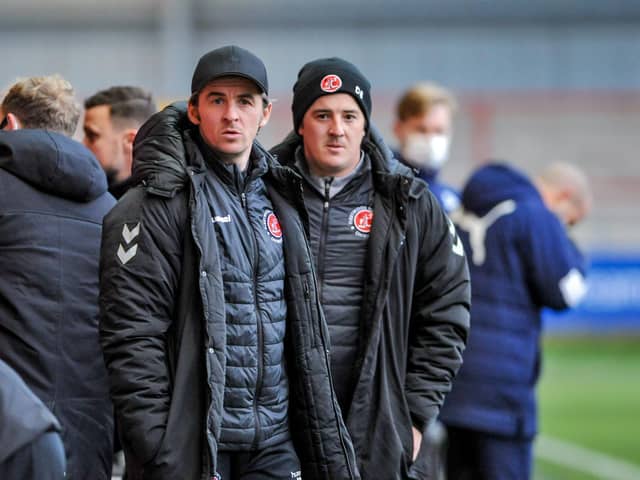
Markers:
(414, 315)
(163, 322)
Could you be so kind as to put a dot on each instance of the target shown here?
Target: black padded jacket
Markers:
(163, 323)
(414, 314)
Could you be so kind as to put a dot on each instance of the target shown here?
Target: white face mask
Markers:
(426, 152)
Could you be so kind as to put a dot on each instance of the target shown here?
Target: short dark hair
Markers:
(127, 103)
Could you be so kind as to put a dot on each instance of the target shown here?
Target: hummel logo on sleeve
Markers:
(129, 235)
(457, 246)
(126, 251)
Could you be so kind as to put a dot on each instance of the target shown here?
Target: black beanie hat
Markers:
(324, 77)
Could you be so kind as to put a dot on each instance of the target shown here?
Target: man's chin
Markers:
(112, 176)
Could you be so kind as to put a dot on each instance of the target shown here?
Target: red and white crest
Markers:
(330, 83)
(272, 224)
(361, 220)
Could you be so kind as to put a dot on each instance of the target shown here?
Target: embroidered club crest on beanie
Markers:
(326, 76)
(229, 61)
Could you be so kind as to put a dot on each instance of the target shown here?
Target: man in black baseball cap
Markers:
(197, 315)
(393, 277)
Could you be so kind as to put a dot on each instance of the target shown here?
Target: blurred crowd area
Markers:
(535, 83)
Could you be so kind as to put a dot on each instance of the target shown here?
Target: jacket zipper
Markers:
(259, 332)
(326, 204)
(307, 295)
(192, 206)
(337, 415)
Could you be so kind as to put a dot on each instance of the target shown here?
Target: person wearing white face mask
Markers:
(423, 129)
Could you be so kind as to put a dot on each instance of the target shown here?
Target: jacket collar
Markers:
(166, 152)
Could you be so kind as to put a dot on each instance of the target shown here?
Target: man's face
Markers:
(229, 113)
(106, 142)
(436, 121)
(332, 130)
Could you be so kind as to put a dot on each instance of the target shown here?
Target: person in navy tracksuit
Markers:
(514, 230)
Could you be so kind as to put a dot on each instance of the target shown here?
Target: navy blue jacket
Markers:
(53, 195)
(520, 259)
(448, 197)
(24, 416)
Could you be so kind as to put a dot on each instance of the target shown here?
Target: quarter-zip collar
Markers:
(329, 186)
(229, 173)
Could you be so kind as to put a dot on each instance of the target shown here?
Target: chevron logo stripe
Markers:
(126, 255)
(129, 235)
(457, 246)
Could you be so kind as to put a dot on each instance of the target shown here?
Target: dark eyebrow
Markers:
(327, 110)
(213, 93)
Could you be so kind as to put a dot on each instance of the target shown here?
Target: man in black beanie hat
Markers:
(219, 367)
(392, 275)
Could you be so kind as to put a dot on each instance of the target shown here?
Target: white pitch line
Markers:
(585, 460)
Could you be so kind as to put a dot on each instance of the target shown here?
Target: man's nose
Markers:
(336, 127)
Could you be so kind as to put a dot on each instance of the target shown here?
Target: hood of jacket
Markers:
(493, 184)
(163, 149)
(53, 163)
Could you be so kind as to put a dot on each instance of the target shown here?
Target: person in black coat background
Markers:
(53, 196)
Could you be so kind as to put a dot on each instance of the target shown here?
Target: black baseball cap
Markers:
(229, 61)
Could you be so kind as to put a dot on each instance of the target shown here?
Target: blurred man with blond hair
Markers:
(423, 128)
(53, 195)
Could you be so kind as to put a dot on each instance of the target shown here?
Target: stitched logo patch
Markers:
(330, 83)
(272, 224)
(361, 220)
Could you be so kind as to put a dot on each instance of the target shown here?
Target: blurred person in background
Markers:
(514, 230)
(53, 196)
(211, 326)
(29, 433)
(392, 275)
(423, 129)
(112, 118)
